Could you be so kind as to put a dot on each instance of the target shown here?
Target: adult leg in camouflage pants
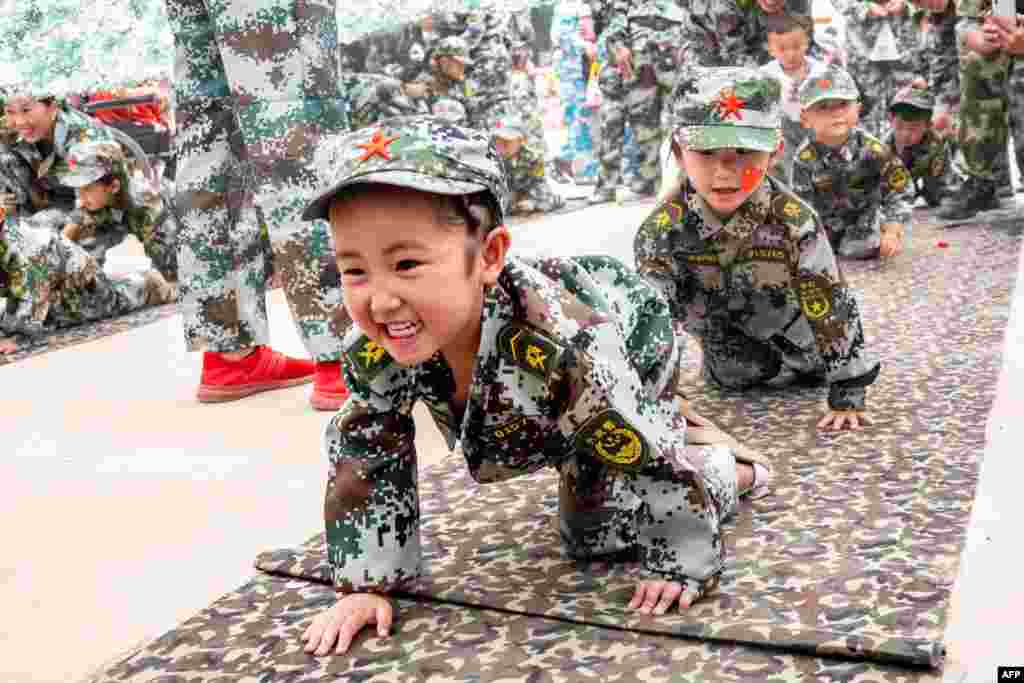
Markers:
(983, 130)
(256, 87)
(613, 130)
(655, 63)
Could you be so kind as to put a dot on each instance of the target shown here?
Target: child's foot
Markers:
(759, 486)
(262, 370)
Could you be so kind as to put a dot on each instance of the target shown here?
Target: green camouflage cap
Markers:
(423, 153)
(918, 98)
(453, 46)
(834, 83)
(90, 161)
(727, 107)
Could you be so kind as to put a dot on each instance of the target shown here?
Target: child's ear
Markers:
(777, 154)
(804, 119)
(495, 248)
(115, 186)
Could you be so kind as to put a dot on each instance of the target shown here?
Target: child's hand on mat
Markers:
(656, 596)
(837, 419)
(892, 240)
(8, 345)
(345, 620)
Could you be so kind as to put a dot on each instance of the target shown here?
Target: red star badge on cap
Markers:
(731, 105)
(377, 146)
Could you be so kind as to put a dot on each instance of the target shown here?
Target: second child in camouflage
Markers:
(746, 266)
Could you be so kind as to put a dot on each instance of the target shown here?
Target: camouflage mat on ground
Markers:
(253, 634)
(843, 574)
(73, 336)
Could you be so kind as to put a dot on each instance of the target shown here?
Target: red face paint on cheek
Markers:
(750, 178)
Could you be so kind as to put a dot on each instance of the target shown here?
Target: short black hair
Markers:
(784, 23)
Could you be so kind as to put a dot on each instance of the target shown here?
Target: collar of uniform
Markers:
(843, 153)
(751, 213)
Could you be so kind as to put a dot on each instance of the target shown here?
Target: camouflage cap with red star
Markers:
(834, 83)
(423, 153)
(727, 107)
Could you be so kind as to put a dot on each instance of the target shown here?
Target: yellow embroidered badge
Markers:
(610, 438)
(528, 349)
(368, 358)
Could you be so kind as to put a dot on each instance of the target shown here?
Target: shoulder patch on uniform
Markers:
(807, 154)
(528, 349)
(875, 145)
(815, 293)
(897, 178)
(368, 358)
(609, 437)
(789, 209)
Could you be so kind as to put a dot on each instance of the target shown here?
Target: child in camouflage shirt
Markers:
(112, 205)
(528, 186)
(859, 187)
(923, 152)
(564, 363)
(745, 265)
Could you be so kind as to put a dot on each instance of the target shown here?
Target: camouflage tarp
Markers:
(853, 556)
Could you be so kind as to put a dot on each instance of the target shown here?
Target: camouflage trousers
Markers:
(736, 360)
(983, 113)
(248, 125)
(617, 152)
(594, 522)
(528, 185)
(72, 291)
(655, 54)
(15, 177)
(878, 83)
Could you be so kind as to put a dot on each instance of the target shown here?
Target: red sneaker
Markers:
(329, 391)
(262, 370)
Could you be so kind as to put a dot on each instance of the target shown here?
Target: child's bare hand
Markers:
(837, 419)
(8, 345)
(891, 245)
(345, 619)
(656, 596)
(71, 231)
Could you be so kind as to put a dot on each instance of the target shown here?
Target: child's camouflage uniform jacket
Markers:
(928, 162)
(577, 369)
(855, 189)
(762, 292)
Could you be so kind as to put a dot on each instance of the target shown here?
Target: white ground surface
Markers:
(128, 506)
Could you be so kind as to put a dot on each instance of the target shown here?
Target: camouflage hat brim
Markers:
(81, 177)
(847, 97)
(319, 207)
(740, 137)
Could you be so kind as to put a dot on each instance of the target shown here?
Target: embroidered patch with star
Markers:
(376, 146)
(789, 209)
(368, 358)
(808, 154)
(815, 297)
(528, 349)
(610, 438)
(898, 179)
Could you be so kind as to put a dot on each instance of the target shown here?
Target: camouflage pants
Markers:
(591, 524)
(655, 64)
(878, 83)
(735, 360)
(74, 291)
(15, 177)
(983, 112)
(860, 239)
(793, 134)
(617, 151)
(248, 126)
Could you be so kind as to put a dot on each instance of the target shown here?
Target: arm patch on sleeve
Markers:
(528, 349)
(368, 358)
(610, 438)
(789, 210)
(815, 295)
